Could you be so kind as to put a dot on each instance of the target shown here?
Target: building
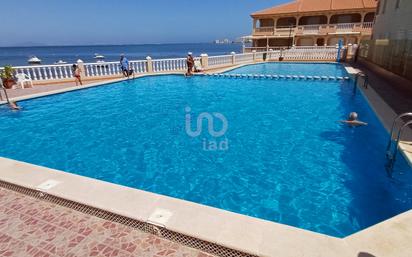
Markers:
(313, 22)
(393, 20)
(391, 44)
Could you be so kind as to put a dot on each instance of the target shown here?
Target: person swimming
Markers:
(14, 106)
(353, 120)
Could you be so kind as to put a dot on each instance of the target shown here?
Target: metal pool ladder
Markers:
(393, 145)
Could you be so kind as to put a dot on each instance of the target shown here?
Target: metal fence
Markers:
(393, 55)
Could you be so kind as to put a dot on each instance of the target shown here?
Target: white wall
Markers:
(393, 23)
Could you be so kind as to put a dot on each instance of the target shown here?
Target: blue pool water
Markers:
(327, 69)
(286, 158)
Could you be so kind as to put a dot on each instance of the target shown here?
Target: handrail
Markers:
(42, 66)
(392, 156)
(396, 150)
(365, 81)
(406, 114)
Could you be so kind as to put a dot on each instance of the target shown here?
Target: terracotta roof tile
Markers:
(299, 6)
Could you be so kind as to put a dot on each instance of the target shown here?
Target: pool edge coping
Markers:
(228, 229)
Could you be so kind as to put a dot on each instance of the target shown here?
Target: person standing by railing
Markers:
(77, 74)
(190, 63)
(124, 65)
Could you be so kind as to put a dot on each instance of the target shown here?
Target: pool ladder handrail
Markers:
(393, 145)
(365, 81)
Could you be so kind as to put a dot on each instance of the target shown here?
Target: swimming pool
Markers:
(290, 68)
(276, 150)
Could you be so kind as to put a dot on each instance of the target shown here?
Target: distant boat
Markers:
(100, 60)
(99, 57)
(34, 60)
(60, 62)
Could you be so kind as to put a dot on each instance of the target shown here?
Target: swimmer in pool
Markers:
(353, 120)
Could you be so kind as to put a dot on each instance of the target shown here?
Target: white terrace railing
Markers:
(164, 65)
(220, 60)
(46, 72)
(112, 69)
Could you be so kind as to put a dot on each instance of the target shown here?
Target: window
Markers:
(398, 3)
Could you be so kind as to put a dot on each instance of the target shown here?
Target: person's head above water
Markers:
(353, 116)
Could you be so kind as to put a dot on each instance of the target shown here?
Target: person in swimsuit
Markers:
(353, 120)
(77, 74)
(190, 63)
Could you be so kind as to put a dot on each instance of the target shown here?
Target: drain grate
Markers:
(185, 240)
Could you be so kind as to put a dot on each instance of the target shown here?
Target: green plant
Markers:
(7, 72)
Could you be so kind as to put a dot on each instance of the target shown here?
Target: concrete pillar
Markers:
(149, 64)
(275, 23)
(204, 59)
(233, 57)
(350, 52)
(254, 55)
(80, 64)
(329, 17)
(270, 55)
(363, 14)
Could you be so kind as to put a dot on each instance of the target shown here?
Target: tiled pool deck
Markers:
(32, 227)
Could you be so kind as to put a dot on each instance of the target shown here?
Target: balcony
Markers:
(321, 29)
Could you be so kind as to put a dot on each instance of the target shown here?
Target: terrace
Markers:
(309, 23)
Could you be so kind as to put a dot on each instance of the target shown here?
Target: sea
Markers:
(18, 56)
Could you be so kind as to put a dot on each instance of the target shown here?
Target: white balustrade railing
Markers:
(138, 66)
(164, 65)
(311, 29)
(101, 69)
(112, 69)
(345, 27)
(46, 72)
(265, 30)
(367, 25)
(314, 53)
(241, 58)
(220, 60)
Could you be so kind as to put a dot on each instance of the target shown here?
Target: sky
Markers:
(90, 22)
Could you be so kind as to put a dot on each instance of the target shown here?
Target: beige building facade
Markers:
(312, 23)
(391, 43)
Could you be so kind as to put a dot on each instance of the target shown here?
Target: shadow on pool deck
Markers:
(395, 90)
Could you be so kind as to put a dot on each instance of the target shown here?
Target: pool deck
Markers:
(249, 235)
(32, 227)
